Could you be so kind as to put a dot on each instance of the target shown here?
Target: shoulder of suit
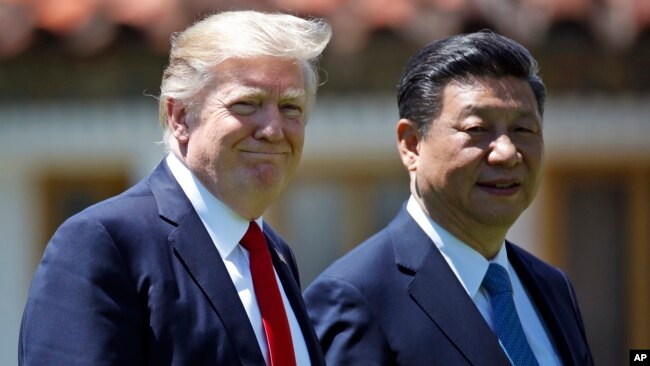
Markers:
(363, 263)
(534, 263)
(130, 210)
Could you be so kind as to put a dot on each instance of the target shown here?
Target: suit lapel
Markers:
(438, 292)
(294, 295)
(195, 250)
(542, 295)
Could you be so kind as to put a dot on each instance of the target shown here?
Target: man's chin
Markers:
(500, 217)
(271, 184)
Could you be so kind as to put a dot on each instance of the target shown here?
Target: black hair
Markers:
(459, 58)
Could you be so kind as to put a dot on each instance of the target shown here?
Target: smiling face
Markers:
(479, 165)
(248, 139)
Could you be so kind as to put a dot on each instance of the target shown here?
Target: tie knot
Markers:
(253, 239)
(497, 280)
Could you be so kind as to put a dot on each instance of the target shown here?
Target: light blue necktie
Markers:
(506, 320)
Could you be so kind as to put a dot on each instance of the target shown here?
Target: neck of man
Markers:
(249, 212)
(485, 239)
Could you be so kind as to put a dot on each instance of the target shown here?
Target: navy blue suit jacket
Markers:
(137, 280)
(395, 301)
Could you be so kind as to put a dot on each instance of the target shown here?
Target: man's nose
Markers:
(270, 126)
(503, 151)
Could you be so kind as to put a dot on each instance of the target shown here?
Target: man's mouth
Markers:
(261, 152)
(500, 187)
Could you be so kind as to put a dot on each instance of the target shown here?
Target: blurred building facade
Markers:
(78, 122)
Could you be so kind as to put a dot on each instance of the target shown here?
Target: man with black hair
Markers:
(440, 285)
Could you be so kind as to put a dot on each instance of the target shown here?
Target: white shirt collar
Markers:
(225, 226)
(468, 265)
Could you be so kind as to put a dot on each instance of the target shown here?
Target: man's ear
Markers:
(408, 140)
(177, 120)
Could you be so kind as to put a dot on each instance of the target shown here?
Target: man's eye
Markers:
(475, 129)
(525, 129)
(291, 111)
(243, 108)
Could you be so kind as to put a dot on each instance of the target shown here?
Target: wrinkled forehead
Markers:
(476, 91)
(261, 76)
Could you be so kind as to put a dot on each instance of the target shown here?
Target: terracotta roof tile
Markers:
(90, 25)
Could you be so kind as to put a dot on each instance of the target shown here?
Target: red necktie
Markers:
(274, 318)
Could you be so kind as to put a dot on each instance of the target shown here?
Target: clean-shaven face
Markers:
(480, 163)
(249, 137)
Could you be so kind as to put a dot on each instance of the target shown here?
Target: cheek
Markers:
(534, 157)
(296, 137)
(466, 162)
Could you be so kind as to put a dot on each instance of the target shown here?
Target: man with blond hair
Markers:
(180, 269)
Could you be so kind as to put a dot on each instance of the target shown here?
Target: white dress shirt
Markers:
(227, 228)
(470, 268)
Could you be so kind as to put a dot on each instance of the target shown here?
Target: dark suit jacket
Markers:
(136, 280)
(394, 300)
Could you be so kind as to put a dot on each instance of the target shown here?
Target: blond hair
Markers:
(238, 34)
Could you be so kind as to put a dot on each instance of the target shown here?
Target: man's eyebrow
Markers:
(294, 94)
(482, 110)
(255, 92)
(245, 91)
